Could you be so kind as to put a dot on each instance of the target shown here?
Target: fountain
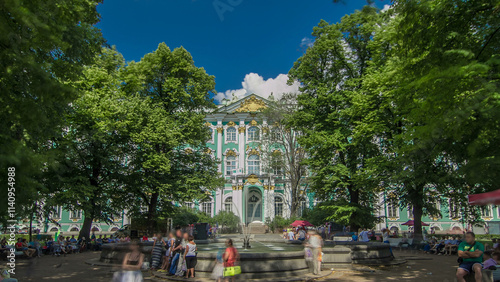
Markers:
(269, 257)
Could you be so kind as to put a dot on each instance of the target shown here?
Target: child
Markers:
(218, 271)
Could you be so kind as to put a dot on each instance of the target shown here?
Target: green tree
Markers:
(282, 156)
(44, 45)
(331, 73)
(433, 99)
(93, 149)
(170, 161)
(227, 221)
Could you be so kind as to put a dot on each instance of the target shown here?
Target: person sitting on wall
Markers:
(490, 259)
(470, 258)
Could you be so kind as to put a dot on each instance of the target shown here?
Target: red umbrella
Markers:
(488, 198)
(411, 223)
(301, 223)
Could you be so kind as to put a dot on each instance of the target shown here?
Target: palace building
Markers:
(249, 191)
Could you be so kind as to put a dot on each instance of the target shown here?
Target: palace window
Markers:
(278, 206)
(211, 135)
(437, 207)
(56, 212)
(207, 208)
(76, 214)
(410, 212)
(228, 204)
(276, 163)
(231, 134)
(275, 135)
(486, 211)
(253, 133)
(454, 211)
(230, 165)
(254, 164)
(303, 206)
(392, 208)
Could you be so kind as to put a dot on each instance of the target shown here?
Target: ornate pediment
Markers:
(250, 105)
(253, 179)
(253, 152)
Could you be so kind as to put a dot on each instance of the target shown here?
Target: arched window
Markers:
(74, 229)
(231, 134)
(230, 165)
(253, 133)
(254, 164)
(228, 204)
(278, 206)
(54, 229)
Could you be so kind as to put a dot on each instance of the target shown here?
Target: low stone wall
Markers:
(280, 264)
(115, 252)
(259, 265)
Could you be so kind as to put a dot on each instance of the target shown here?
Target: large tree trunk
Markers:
(353, 199)
(153, 204)
(87, 225)
(417, 221)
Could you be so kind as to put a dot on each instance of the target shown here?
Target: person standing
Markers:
(301, 234)
(176, 252)
(218, 271)
(315, 243)
(470, 257)
(363, 236)
(181, 265)
(168, 254)
(190, 256)
(156, 251)
(131, 265)
(231, 256)
(385, 239)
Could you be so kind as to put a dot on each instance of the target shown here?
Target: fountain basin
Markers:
(273, 258)
(115, 252)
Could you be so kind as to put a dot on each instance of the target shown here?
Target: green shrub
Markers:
(228, 222)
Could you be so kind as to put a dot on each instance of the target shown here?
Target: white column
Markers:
(220, 192)
(271, 202)
(241, 146)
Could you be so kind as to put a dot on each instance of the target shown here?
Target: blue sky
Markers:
(248, 45)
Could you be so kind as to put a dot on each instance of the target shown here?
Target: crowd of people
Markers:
(59, 246)
(175, 255)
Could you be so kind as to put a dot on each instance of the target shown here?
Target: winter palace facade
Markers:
(254, 195)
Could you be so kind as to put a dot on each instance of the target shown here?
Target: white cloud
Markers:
(254, 83)
(386, 8)
(306, 42)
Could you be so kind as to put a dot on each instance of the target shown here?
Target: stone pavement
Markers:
(325, 274)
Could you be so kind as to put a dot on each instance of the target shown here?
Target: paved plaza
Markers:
(73, 268)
